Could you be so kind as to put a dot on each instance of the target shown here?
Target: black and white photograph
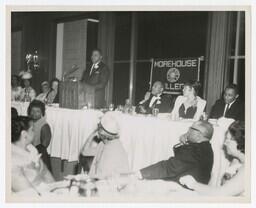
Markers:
(128, 105)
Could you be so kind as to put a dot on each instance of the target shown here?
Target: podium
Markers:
(75, 95)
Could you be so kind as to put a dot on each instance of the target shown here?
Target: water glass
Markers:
(111, 107)
(155, 112)
(120, 108)
(89, 105)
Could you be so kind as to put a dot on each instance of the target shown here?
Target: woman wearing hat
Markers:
(110, 157)
(28, 93)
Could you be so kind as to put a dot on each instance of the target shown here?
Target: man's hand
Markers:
(184, 138)
(142, 109)
(147, 96)
(136, 175)
(188, 181)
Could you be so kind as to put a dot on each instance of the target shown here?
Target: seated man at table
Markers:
(155, 99)
(110, 157)
(193, 156)
(229, 106)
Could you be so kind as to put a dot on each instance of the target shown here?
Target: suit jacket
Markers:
(163, 104)
(98, 79)
(194, 159)
(236, 111)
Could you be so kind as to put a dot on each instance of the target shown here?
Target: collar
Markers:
(230, 104)
(158, 96)
(96, 64)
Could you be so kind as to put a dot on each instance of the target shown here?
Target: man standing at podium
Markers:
(96, 75)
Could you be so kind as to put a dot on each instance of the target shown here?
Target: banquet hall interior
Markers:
(132, 84)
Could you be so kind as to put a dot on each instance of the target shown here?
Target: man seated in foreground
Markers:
(28, 170)
(155, 99)
(234, 178)
(193, 156)
(110, 157)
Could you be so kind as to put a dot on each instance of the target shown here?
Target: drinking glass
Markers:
(89, 105)
(155, 112)
(111, 107)
(120, 108)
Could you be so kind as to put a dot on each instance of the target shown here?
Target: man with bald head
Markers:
(192, 156)
(155, 99)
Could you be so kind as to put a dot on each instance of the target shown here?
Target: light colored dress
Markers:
(199, 107)
(27, 164)
(28, 94)
(110, 159)
(16, 93)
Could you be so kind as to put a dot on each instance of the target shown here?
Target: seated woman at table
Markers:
(45, 91)
(42, 130)
(16, 88)
(28, 93)
(110, 157)
(189, 105)
(27, 169)
(53, 95)
(234, 178)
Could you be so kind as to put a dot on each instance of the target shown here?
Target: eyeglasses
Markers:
(192, 128)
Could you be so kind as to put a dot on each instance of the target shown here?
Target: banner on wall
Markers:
(174, 72)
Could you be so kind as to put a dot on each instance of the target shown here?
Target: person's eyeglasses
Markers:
(192, 128)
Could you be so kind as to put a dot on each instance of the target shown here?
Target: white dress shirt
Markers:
(94, 66)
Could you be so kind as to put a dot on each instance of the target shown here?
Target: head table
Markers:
(146, 139)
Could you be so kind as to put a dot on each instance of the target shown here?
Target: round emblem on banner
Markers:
(173, 75)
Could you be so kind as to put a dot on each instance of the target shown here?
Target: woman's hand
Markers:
(184, 138)
(188, 181)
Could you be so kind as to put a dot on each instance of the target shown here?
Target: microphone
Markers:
(73, 69)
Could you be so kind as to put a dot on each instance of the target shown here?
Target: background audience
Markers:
(16, 88)
(45, 91)
(28, 93)
(53, 95)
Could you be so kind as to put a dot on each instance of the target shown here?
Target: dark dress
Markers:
(190, 111)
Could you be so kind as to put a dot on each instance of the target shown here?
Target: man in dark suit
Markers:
(229, 106)
(155, 99)
(193, 156)
(96, 75)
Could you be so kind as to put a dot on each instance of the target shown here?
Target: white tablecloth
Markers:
(70, 129)
(146, 140)
(21, 107)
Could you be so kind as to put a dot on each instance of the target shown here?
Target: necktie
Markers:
(92, 69)
(226, 110)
